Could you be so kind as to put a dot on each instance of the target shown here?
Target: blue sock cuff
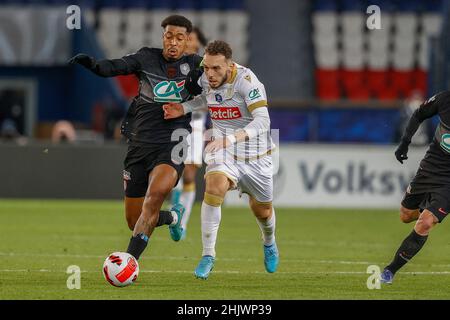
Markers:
(143, 236)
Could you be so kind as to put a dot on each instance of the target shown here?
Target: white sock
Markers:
(267, 227)
(210, 217)
(187, 200)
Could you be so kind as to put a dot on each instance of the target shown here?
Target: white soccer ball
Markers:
(120, 269)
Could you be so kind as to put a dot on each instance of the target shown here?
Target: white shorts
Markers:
(254, 177)
(195, 141)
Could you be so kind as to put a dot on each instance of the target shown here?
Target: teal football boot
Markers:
(271, 258)
(204, 267)
(176, 230)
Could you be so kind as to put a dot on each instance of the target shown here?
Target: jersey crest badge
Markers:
(184, 68)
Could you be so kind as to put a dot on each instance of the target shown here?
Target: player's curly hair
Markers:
(178, 21)
(217, 47)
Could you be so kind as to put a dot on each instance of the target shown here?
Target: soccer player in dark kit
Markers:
(427, 198)
(150, 170)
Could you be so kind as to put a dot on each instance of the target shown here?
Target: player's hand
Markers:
(191, 83)
(172, 110)
(217, 144)
(83, 59)
(402, 152)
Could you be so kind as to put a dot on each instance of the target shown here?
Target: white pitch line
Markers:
(13, 254)
(241, 272)
(84, 256)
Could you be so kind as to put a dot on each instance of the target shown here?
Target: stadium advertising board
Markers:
(350, 176)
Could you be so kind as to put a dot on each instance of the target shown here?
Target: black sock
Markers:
(165, 217)
(137, 245)
(408, 249)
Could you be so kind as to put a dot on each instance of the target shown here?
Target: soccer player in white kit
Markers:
(238, 156)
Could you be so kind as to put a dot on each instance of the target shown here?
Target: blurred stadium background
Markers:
(331, 82)
(338, 92)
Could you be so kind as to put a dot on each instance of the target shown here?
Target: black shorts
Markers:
(140, 161)
(436, 201)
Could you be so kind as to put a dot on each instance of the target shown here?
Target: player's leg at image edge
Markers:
(410, 246)
(162, 179)
(266, 223)
(211, 214)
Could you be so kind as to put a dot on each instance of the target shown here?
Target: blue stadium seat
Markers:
(352, 5)
(185, 4)
(37, 2)
(161, 4)
(86, 3)
(210, 4)
(410, 5)
(385, 5)
(138, 4)
(112, 3)
(61, 2)
(434, 5)
(234, 5)
(325, 5)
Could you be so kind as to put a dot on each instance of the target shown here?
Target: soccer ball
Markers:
(120, 269)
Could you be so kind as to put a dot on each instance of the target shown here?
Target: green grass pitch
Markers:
(324, 255)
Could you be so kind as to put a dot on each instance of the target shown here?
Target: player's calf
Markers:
(151, 206)
(410, 246)
(133, 208)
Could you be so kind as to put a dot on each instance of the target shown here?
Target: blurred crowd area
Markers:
(329, 78)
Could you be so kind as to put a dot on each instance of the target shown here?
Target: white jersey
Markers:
(230, 108)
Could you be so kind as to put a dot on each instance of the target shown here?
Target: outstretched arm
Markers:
(426, 110)
(108, 68)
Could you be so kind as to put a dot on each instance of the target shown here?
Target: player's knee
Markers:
(261, 210)
(407, 215)
(215, 190)
(213, 200)
(263, 213)
(425, 223)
